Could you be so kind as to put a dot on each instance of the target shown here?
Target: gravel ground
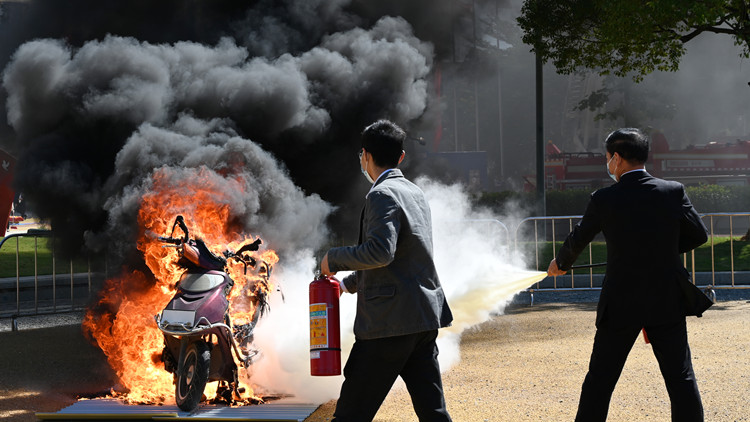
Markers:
(525, 365)
(528, 365)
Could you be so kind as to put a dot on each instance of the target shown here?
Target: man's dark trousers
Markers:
(611, 348)
(373, 367)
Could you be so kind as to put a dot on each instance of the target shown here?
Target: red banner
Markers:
(7, 165)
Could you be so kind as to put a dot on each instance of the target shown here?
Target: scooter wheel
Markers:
(192, 379)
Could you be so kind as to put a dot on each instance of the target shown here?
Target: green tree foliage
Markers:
(621, 98)
(627, 37)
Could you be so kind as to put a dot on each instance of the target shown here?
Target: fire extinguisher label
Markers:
(318, 326)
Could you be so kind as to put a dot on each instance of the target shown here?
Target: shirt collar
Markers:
(382, 175)
(631, 171)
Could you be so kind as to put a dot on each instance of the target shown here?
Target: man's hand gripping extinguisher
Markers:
(325, 336)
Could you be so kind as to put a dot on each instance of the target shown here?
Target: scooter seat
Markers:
(208, 259)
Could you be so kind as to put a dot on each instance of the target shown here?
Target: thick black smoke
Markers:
(272, 28)
(284, 93)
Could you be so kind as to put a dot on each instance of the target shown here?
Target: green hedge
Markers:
(567, 202)
(715, 198)
(705, 198)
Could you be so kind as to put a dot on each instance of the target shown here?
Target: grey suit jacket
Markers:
(397, 286)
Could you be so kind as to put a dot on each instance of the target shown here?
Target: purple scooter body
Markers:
(199, 338)
(207, 298)
(202, 297)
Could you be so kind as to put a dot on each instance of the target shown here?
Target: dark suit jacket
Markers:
(647, 222)
(397, 285)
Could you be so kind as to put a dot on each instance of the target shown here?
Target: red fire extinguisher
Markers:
(325, 337)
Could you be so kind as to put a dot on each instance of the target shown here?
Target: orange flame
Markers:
(122, 323)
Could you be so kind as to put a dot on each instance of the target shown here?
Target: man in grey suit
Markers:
(400, 302)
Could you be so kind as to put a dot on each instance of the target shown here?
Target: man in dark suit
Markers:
(647, 223)
(400, 302)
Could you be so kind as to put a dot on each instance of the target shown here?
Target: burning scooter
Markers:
(199, 337)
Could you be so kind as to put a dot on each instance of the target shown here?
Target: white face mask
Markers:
(367, 175)
(608, 172)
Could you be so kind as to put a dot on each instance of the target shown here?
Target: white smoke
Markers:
(478, 267)
(284, 336)
(479, 272)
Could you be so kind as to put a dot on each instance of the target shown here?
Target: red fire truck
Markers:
(718, 162)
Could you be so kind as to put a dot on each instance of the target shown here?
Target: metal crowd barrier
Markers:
(16, 298)
(538, 231)
(43, 293)
(22, 295)
(720, 221)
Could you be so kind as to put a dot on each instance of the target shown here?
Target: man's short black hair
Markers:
(630, 143)
(385, 141)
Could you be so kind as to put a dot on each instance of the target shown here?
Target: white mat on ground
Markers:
(102, 409)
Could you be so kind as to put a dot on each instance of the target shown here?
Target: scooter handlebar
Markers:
(249, 247)
(243, 258)
(170, 240)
